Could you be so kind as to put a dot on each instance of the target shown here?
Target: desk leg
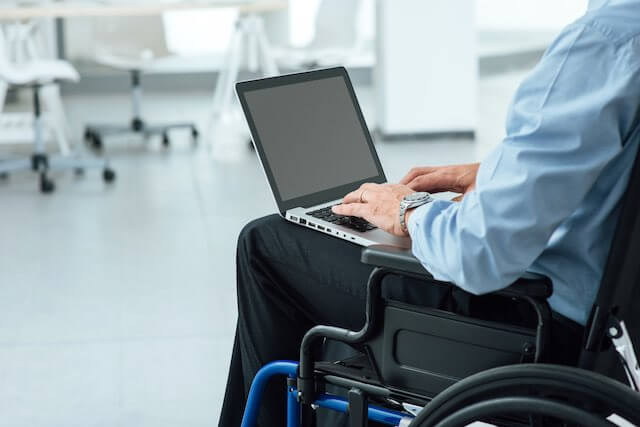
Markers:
(60, 38)
(249, 32)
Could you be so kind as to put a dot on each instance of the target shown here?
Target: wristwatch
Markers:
(412, 201)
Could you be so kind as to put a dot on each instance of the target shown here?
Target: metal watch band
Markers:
(403, 211)
(410, 204)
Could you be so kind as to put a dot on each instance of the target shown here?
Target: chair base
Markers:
(94, 134)
(42, 163)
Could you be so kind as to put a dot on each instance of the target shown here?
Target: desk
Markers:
(71, 9)
(249, 27)
(104, 8)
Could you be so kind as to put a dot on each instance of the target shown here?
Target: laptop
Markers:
(315, 147)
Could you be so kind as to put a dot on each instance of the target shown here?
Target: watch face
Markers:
(421, 195)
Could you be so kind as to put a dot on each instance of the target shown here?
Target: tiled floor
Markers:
(117, 305)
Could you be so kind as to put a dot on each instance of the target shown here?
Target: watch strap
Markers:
(405, 205)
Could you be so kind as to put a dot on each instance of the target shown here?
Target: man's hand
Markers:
(377, 203)
(456, 178)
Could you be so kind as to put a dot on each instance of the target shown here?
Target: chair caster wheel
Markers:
(108, 175)
(95, 142)
(195, 135)
(165, 140)
(46, 185)
(93, 139)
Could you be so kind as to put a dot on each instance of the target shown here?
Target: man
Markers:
(545, 201)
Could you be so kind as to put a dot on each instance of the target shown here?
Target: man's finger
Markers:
(414, 173)
(351, 209)
(369, 186)
(353, 197)
(369, 190)
(433, 183)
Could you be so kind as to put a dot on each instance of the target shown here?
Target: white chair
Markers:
(136, 45)
(36, 74)
(26, 42)
(337, 40)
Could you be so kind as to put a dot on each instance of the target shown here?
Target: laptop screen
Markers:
(311, 136)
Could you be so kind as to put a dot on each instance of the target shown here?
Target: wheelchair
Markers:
(426, 367)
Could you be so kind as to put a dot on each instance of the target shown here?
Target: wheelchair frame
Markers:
(607, 350)
(305, 381)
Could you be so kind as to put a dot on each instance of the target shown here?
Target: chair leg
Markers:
(250, 30)
(136, 101)
(40, 160)
(57, 119)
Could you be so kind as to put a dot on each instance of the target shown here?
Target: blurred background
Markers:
(117, 276)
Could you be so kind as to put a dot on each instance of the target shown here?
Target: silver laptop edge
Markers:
(299, 215)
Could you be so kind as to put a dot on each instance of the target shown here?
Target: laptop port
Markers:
(320, 228)
(328, 230)
(293, 218)
(303, 221)
(312, 225)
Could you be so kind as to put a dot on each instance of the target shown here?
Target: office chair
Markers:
(136, 45)
(25, 41)
(36, 74)
(337, 40)
(452, 370)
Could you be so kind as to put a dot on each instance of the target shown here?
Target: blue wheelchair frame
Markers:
(290, 370)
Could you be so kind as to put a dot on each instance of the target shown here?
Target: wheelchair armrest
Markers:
(403, 261)
(393, 258)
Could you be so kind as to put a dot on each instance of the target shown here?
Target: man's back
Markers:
(547, 198)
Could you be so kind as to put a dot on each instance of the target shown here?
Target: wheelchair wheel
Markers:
(570, 395)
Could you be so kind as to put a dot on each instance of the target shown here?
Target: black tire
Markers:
(569, 386)
(47, 186)
(108, 175)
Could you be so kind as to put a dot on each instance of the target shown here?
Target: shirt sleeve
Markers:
(565, 124)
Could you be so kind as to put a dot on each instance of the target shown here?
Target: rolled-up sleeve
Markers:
(564, 125)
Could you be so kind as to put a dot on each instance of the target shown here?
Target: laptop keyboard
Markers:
(352, 222)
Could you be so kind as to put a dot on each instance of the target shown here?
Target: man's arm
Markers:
(564, 126)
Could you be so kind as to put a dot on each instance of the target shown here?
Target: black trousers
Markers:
(290, 279)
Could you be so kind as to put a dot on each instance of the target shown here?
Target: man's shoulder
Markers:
(618, 21)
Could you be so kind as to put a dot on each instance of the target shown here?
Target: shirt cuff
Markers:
(417, 218)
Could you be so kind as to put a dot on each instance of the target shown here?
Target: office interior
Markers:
(117, 269)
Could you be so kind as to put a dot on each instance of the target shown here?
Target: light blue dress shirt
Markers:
(548, 197)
